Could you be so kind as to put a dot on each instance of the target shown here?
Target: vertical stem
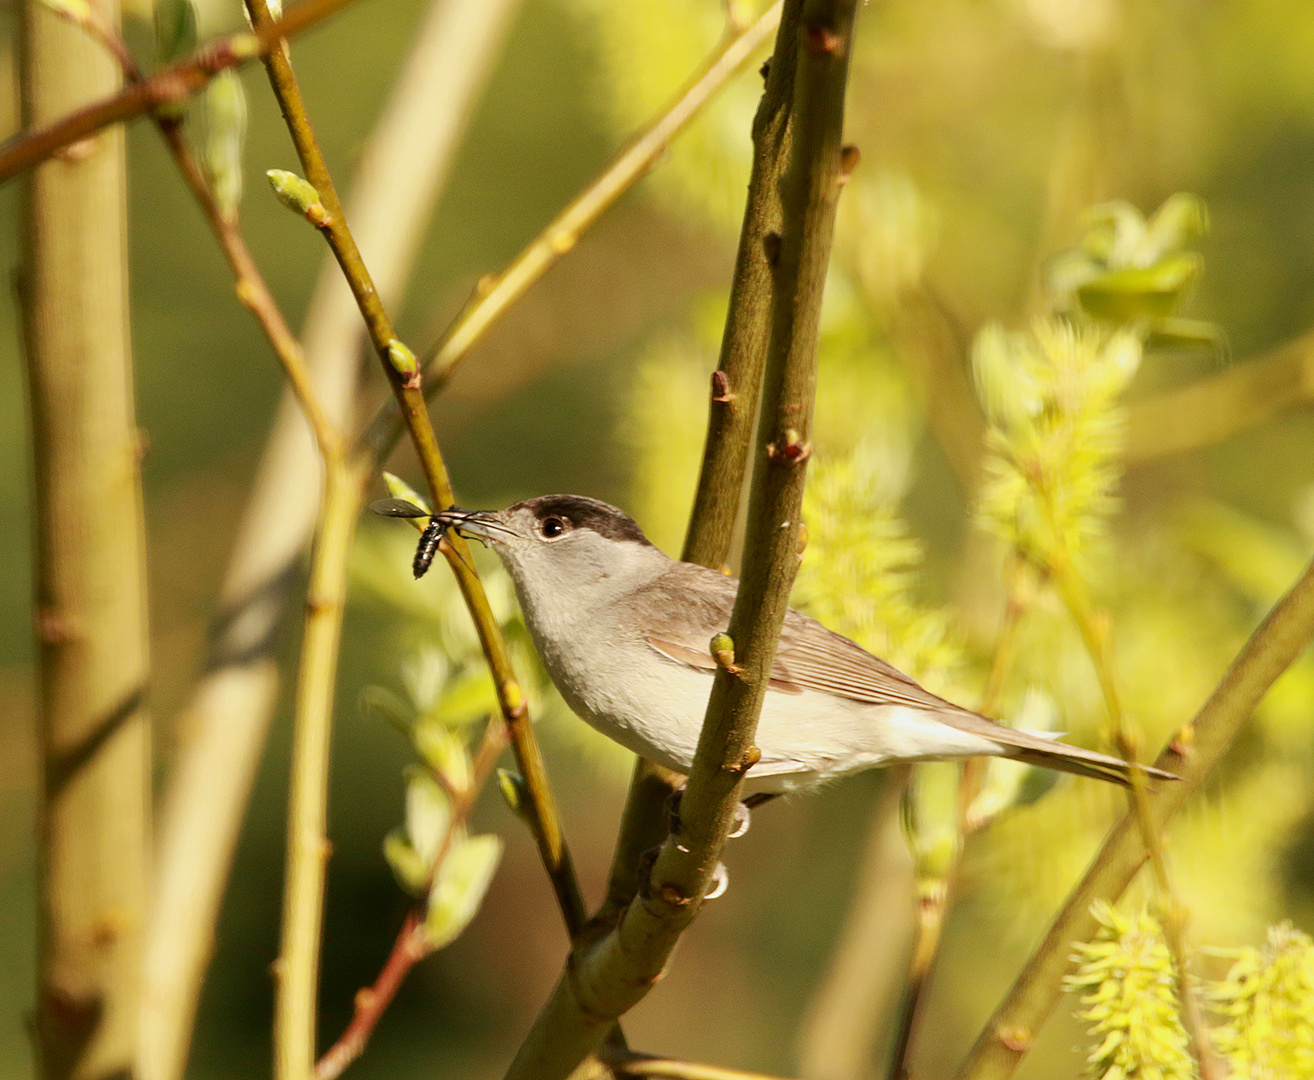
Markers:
(736, 389)
(1095, 635)
(307, 845)
(606, 977)
(93, 815)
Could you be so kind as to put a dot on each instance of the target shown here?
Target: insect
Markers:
(430, 538)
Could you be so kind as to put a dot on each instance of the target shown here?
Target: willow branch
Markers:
(297, 968)
(1217, 407)
(1191, 754)
(89, 575)
(1095, 635)
(736, 387)
(933, 905)
(497, 293)
(169, 87)
(605, 978)
(296, 1022)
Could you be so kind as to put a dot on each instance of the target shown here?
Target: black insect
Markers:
(429, 539)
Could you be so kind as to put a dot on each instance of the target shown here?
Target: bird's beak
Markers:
(483, 525)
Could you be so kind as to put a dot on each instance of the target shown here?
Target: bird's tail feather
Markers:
(1077, 760)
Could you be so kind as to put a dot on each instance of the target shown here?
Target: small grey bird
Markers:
(625, 634)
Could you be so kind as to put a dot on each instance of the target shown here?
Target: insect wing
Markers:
(401, 508)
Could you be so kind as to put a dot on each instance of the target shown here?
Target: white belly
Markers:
(657, 711)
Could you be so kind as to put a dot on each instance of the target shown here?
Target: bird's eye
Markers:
(552, 527)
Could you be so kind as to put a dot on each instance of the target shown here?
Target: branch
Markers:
(631, 163)
(736, 387)
(604, 979)
(626, 1063)
(89, 577)
(1216, 408)
(402, 170)
(295, 1025)
(1192, 753)
(171, 86)
(297, 967)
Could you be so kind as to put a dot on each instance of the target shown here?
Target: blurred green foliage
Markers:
(988, 131)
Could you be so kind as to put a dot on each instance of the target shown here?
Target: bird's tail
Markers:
(1042, 751)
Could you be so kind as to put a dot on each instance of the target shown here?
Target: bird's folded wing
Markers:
(681, 611)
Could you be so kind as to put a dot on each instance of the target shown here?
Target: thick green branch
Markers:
(169, 87)
(90, 611)
(1281, 637)
(606, 978)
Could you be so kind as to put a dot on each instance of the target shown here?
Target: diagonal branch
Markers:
(605, 978)
(631, 163)
(228, 715)
(169, 87)
(1192, 753)
(295, 1022)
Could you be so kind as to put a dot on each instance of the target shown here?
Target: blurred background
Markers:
(987, 129)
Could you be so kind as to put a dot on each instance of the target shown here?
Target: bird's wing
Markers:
(681, 610)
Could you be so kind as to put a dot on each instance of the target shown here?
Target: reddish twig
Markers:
(169, 87)
(411, 946)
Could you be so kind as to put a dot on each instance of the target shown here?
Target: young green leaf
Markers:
(225, 127)
(459, 888)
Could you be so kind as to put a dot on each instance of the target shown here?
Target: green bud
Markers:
(1141, 292)
(403, 362)
(445, 753)
(298, 195)
(722, 647)
(410, 870)
(428, 813)
(400, 489)
(513, 790)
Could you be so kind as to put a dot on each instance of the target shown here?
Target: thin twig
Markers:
(411, 945)
(1095, 635)
(605, 978)
(295, 1029)
(630, 1063)
(933, 907)
(397, 180)
(496, 293)
(1191, 754)
(169, 87)
(406, 389)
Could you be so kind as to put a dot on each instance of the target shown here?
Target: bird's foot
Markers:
(720, 882)
(673, 811)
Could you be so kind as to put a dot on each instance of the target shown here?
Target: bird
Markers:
(625, 633)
